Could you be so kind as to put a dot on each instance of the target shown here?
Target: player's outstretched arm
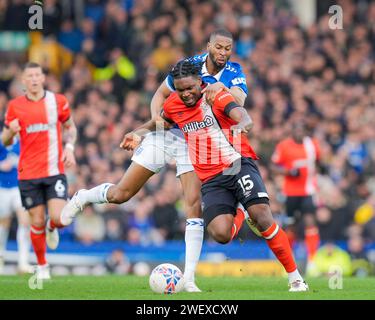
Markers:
(244, 121)
(213, 89)
(158, 99)
(9, 132)
(238, 95)
(132, 139)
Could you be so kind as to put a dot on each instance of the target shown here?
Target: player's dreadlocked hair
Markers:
(186, 68)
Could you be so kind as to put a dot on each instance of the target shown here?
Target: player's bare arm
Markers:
(70, 137)
(213, 89)
(9, 132)
(158, 99)
(243, 119)
(238, 94)
(132, 139)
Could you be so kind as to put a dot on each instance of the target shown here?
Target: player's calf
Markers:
(118, 195)
(261, 215)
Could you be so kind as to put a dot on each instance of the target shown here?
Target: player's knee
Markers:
(38, 222)
(221, 235)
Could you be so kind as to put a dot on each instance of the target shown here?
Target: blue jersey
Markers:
(9, 179)
(231, 75)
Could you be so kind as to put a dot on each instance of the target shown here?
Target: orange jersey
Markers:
(290, 154)
(40, 135)
(212, 147)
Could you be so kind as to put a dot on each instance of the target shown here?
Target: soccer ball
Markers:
(166, 278)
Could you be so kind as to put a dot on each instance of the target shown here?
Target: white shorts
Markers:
(10, 201)
(162, 147)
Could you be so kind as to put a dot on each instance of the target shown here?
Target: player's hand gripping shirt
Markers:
(40, 135)
(207, 130)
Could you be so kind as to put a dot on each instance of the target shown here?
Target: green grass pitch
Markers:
(215, 288)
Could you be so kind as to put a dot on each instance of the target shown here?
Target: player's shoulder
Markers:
(233, 67)
(172, 102)
(18, 101)
(60, 98)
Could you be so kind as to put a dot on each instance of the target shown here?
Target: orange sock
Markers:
(278, 242)
(38, 240)
(53, 225)
(312, 241)
(237, 223)
(291, 237)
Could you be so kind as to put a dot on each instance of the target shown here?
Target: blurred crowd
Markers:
(123, 50)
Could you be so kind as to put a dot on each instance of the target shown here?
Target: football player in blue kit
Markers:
(10, 200)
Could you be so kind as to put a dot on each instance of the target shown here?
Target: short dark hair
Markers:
(31, 64)
(186, 68)
(221, 32)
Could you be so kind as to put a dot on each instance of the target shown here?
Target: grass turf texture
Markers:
(215, 288)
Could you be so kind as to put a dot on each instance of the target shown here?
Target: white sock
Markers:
(4, 232)
(193, 245)
(295, 275)
(97, 194)
(24, 243)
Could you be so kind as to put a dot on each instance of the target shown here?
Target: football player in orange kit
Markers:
(295, 157)
(39, 117)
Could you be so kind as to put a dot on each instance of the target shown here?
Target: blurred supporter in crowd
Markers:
(118, 263)
(120, 51)
(330, 260)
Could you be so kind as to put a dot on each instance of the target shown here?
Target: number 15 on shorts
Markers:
(246, 183)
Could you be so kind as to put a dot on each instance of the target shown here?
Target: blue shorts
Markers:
(221, 194)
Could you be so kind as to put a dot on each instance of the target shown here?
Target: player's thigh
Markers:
(217, 199)
(133, 180)
(5, 204)
(56, 194)
(150, 153)
(23, 217)
(54, 207)
(17, 207)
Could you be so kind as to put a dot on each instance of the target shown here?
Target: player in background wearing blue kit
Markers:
(10, 203)
(159, 148)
